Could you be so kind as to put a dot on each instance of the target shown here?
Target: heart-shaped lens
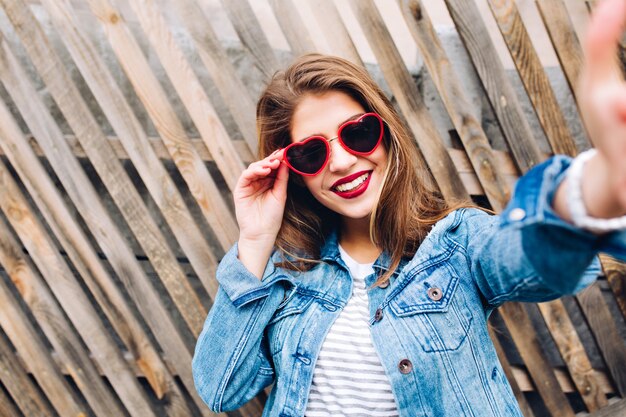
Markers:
(362, 135)
(308, 156)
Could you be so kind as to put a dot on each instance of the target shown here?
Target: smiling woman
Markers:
(357, 290)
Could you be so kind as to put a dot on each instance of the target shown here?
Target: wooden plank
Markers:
(334, 30)
(573, 354)
(7, 408)
(76, 304)
(501, 94)
(224, 75)
(16, 381)
(84, 196)
(615, 272)
(525, 337)
(188, 87)
(26, 340)
(188, 155)
(293, 27)
(110, 170)
(121, 117)
(52, 321)
(533, 76)
(409, 100)
(508, 372)
(564, 39)
(469, 128)
(252, 37)
(617, 409)
(604, 329)
(86, 261)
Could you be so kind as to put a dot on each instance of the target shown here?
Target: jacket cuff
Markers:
(239, 284)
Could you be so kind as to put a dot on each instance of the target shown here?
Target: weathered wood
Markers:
(409, 100)
(189, 156)
(503, 100)
(334, 30)
(110, 170)
(23, 336)
(73, 300)
(508, 372)
(606, 334)
(51, 319)
(92, 210)
(617, 409)
(573, 354)
(533, 76)
(224, 75)
(188, 87)
(120, 114)
(474, 140)
(293, 27)
(615, 272)
(564, 39)
(253, 39)
(16, 381)
(7, 408)
(525, 337)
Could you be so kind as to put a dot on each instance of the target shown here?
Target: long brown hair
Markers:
(407, 207)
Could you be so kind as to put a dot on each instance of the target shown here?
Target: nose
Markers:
(340, 159)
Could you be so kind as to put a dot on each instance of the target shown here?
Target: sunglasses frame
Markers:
(343, 145)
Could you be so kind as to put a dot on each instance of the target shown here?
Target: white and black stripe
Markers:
(348, 379)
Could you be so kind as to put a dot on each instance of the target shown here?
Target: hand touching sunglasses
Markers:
(359, 137)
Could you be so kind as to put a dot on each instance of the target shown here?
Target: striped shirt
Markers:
(348, 379)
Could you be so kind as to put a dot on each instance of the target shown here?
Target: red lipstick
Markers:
(360, 189)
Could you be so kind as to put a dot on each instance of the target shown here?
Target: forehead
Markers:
(322, 114)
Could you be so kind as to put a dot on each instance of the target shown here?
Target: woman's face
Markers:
(348, 184)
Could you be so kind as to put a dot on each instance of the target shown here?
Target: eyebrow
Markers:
(356, 116)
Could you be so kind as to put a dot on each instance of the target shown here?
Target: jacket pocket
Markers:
(283, 320)
(431, 307)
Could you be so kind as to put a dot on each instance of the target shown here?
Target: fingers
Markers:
(602, 40)
(262, 169)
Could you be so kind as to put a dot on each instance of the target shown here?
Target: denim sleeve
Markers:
(529, 253)
(232, 363)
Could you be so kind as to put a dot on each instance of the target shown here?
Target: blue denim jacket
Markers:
(434, 347)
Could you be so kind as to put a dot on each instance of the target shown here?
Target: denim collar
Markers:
(330, 252)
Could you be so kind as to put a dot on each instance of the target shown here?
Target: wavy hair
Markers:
(407, 206)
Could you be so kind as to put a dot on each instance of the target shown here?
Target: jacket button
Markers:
(517, 214)
(378, 316)
(405, 366)
(384, 285)
(435, 293)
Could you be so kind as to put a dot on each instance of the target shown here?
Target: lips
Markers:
(355, 189)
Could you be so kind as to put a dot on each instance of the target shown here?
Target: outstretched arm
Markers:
(602, 101)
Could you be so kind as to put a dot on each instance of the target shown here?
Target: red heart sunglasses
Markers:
(359, 137)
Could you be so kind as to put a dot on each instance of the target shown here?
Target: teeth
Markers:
(349, 186)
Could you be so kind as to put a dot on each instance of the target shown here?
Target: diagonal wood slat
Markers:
(109, 169)
(184, 154)
(533, 76)
(503, 100)
(92, 210)
(121, 116)
(22, 390)
(53, 323)
(188, 88)
(468, 127)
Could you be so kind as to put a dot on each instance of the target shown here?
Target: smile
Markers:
(351, 186)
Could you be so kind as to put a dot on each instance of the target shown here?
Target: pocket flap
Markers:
(294, 303)
(427, 290)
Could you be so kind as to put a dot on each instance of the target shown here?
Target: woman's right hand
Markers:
(260, 196)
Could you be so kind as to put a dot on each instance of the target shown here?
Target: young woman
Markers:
(357, 290)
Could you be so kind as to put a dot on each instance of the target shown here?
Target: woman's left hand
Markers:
(602, 101)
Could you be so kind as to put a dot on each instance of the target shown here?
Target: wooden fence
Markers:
(119, 153)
